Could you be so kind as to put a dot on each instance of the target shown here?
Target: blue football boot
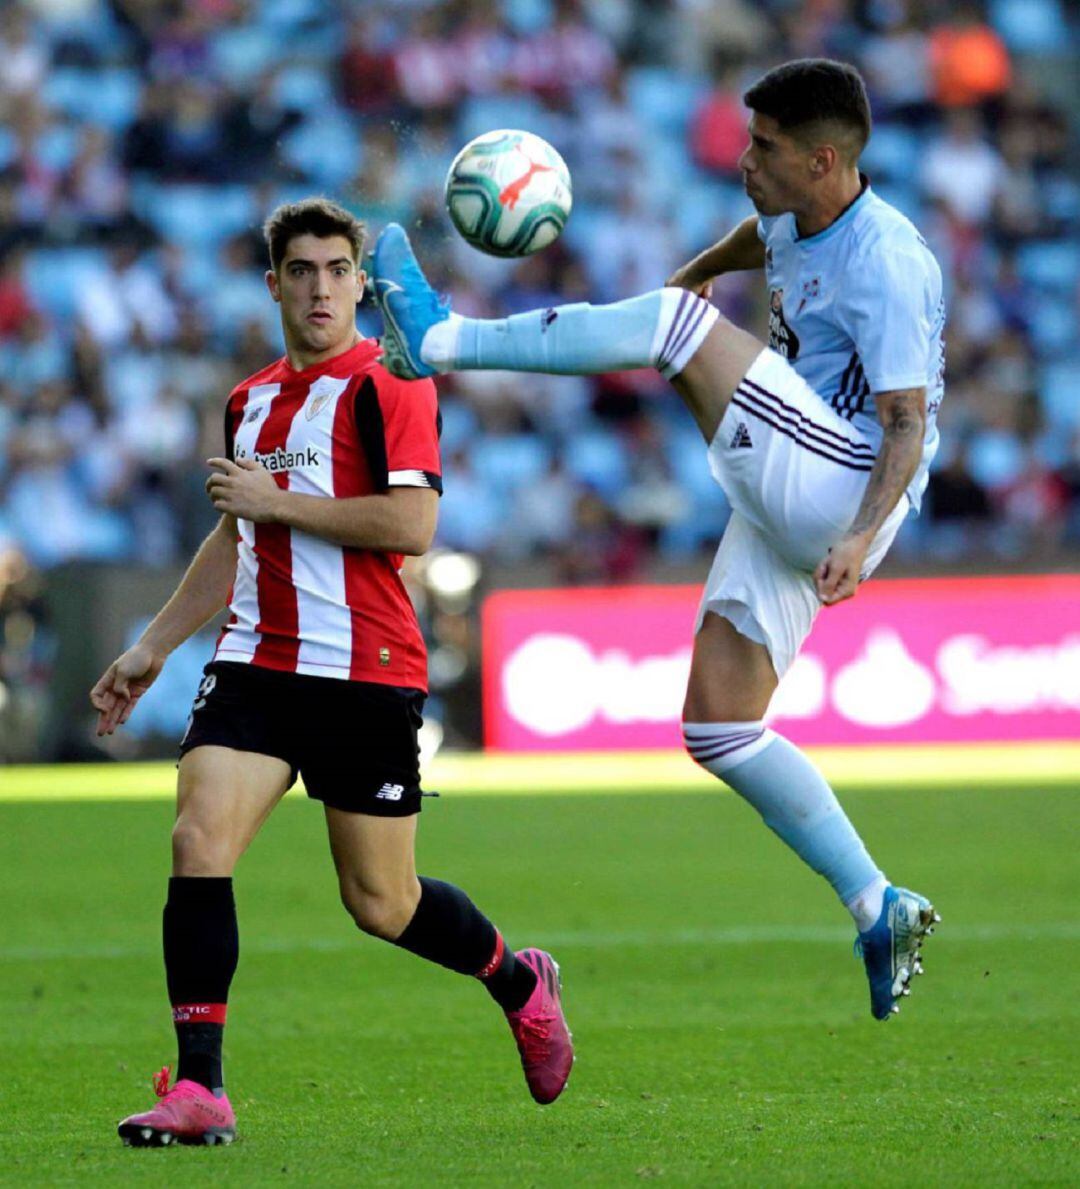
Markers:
(891, 948)
(409, 305)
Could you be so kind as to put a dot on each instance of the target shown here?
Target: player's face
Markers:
(318, 286)
(776, 169)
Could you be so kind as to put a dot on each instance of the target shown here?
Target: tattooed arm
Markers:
(903, 414)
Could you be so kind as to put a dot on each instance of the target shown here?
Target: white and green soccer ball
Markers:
(508, 193)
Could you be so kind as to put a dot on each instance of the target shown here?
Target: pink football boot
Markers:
(543, 1039)
(188, 1114)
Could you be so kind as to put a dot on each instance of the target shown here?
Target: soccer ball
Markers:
(508, 193)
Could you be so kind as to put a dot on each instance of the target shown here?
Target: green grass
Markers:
(722, 1025)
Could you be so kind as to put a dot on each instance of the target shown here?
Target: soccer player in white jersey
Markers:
(331, 474)
(821, 441)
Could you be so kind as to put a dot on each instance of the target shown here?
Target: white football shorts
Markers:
(794, 472)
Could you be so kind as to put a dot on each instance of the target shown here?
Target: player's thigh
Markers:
(376, 868)
(708, 381)
(756, 611)
(788, 462)
(376, 854)
(731, 676)
(236, 763)
(223, 797)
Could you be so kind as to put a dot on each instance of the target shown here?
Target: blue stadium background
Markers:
(142, 142)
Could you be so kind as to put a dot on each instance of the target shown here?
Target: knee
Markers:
(718, 746)
(380, 912)
(199, 851)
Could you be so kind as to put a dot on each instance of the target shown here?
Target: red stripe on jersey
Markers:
(279, 618)
(351, 478)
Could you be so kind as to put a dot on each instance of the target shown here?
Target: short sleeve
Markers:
(888, 310)
(398, 422)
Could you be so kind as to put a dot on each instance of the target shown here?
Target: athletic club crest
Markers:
(318, 397)
(783, 340)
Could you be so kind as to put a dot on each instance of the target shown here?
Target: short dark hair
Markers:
(311, 216)
(814, 91)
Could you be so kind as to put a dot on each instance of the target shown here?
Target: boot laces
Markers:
(161, 1081)
(534, 1034)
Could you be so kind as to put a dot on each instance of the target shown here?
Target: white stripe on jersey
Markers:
(318, 566)
(243, 638)
(408, 479)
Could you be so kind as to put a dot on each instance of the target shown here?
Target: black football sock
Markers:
(202, 946)
(449, 929)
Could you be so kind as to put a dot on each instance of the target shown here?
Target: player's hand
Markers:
(243, 489)
(837, 577)
(122, 684)
(687, 278)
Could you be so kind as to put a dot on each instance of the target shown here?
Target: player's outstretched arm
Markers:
(903, 414)
(739, 251)
(202, 593)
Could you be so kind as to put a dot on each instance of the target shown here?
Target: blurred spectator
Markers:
(194, 146)
(27, 651)
(368, 79)
(22, 50)
(969, 61)
(896, 60)
(601, 549)
(718, 132)
(963, 170)
(16, 309)
(124, 298)
(94, 188)
(1017, 203)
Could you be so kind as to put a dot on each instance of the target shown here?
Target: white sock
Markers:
(865, 908)
(663, 329)
(440, 343)
(794, 800)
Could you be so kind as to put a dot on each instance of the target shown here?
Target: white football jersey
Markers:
(858, 309)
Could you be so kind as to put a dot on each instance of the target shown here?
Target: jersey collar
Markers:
(345, 364)
(841, 221)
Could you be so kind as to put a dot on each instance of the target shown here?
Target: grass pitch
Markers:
(723, 1029)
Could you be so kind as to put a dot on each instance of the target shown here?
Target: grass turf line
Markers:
(702, 1060)
(503, 773)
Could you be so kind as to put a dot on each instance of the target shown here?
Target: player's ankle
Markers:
(865, 908)
(439, 346)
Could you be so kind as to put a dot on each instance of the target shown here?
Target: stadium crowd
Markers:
(142, 142)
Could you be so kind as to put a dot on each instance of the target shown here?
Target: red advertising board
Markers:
(914, 660)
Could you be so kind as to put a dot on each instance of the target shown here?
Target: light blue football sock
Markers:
(662, 329)
(792, 797)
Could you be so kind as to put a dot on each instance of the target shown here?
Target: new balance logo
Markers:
(741, 438)
(390, 792)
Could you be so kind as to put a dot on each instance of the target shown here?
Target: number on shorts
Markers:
(206, 688)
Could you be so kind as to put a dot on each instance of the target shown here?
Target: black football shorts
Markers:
(354, 742)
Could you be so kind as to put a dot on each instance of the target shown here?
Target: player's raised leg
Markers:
(732, 681)
(374, 857)
(673, 330)
(223, 797)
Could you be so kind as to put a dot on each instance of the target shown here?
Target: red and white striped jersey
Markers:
(300, 604)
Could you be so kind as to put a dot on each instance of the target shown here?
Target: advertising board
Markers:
(910, 660)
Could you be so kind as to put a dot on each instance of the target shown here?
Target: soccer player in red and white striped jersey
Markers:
(330, 475)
